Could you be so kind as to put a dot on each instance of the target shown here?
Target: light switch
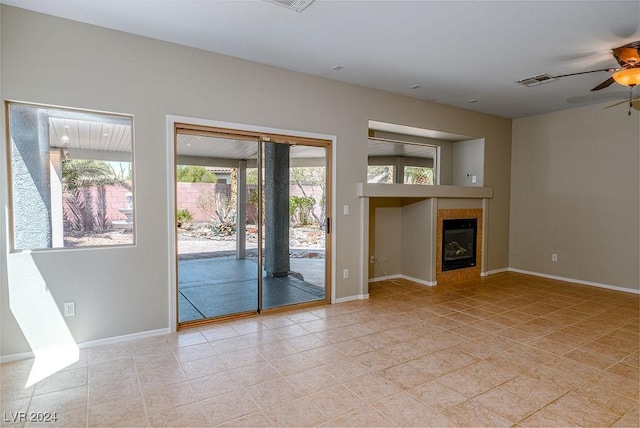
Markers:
(345, 210)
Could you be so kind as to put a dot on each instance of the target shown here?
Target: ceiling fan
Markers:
(628, 74)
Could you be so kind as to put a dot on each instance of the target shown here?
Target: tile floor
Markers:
(505, 350)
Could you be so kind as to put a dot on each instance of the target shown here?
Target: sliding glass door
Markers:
(295, 224)
(252, 226)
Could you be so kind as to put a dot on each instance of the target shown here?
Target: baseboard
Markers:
(385, 278)
(419, 281)
(16, 357)
(124, 338)
(494, 271)
(576, 281)
(92, 343)
(350, 298)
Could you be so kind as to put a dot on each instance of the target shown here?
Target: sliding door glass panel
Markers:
(295, 185)
(216, 217)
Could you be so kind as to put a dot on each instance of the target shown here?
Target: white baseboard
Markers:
(493, 272)
(125, 338)
(350, 298)
(419, 281)
(16, 357)
(384, 278)
(401, 276)
(92, 343)
(576, 281)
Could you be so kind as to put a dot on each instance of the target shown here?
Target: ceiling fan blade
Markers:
(635, 44)
(609, 70)
(604, 84)
(635, 103)
(615, 104)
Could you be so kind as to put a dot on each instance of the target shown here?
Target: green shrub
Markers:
(183, 217)
(195, 174)
(300, 208)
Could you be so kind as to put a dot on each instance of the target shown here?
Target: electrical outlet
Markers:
(69, 309)
(554, 257)
(372, 259)
(345, 210)
(345, 273)
(474, 179)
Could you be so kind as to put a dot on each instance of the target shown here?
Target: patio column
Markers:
(30, 177)
(398, 171)
(241, 210)
(276, 203)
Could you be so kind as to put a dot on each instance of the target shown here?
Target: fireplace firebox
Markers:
(459, 243)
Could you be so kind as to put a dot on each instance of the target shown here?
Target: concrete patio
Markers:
(217, 286)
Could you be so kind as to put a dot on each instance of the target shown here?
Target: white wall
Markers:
(126, 290)
(575, 192)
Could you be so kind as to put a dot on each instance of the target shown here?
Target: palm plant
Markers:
(78, 176)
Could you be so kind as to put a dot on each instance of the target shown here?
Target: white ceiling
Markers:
(89, 135)
(456, 51)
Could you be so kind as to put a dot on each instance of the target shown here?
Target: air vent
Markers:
(537, 80)
(297, 5)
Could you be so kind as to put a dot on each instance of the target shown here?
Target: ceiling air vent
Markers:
(537, 80)
(297, 5)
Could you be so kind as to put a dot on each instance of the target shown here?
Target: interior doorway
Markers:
(252, 222)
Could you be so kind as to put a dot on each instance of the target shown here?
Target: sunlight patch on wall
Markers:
(39, 318)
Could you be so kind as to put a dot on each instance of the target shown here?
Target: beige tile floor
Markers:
(507, 350)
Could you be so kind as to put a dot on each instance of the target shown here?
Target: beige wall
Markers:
(122, 291)
(575, 192)
(417, 242)
(388, 242)
(392, 205)
(468, 158)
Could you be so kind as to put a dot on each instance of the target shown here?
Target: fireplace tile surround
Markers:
(465, 273)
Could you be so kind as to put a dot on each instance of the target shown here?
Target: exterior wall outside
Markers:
(575, 193)
(114, 290)
(188, 193)
(116, 199)
(187, 198)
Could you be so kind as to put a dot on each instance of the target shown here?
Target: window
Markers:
(71, 177)
(418, 175)
(401, 162)
(380, 174)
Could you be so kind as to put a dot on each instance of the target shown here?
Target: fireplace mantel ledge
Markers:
(368, 190)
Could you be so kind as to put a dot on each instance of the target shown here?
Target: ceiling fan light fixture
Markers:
(627, 76)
